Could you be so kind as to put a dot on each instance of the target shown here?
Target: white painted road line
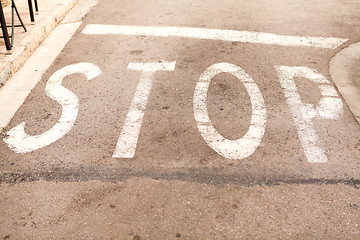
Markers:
(15, 91)
(126, 145)
(232, 149)
(215, 34)
(330, 107)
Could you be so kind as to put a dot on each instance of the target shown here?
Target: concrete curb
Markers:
(344, 69)
(12, 63)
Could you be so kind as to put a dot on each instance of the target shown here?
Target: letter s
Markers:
(21, 142)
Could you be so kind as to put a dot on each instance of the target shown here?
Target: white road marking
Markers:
(215, 34)
(330, 107)
(233, 149)
(21, 142)
(15, 91)
(126, 145)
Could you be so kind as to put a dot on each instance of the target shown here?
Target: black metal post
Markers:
(19, 17)
(36, 6)
(31, 11)
(14, 8)
(4, 28)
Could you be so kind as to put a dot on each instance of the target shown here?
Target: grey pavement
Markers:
(344, 67)
(64, 175)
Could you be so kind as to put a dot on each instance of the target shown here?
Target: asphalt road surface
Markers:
(189, 120)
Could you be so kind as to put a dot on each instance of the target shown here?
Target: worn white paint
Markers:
(126, 145)
(233, 149)
(216, 34)
(330, 107)
(20, 85)
(21, 142)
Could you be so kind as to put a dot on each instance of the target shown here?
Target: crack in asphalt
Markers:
(186, 175)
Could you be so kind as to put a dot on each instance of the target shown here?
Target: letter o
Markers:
(232, 149)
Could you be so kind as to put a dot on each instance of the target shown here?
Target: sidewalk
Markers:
(25, 43)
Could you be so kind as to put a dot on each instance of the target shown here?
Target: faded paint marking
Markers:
(16, 90)
(330, 107)
(233, 149)
(21, 142)
(216, 34)
(126, 145)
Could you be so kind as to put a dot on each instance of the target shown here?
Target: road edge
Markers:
(342, 69)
